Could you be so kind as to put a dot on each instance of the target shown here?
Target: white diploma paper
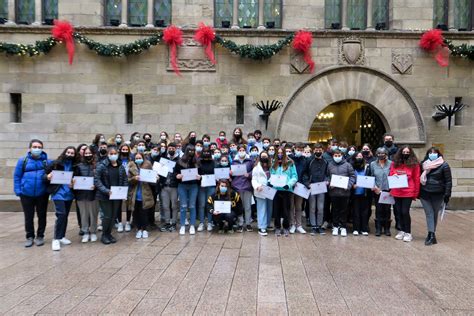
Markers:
(189, 174)
(83, 183)
(398, 181)
(278, 180)
(319, 188)
(222, 173)
(386, 198)
(208, 180)
(222, 207)
(238, 170)
(339, 182)
(148, 175)
(168, 163)
(266, 193)
(365, 182)
(301, 190)
(118, 193)
(61, 177)
(161, 169)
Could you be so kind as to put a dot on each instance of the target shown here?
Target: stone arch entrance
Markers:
(394, 104)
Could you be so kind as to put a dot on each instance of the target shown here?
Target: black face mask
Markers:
(192, 140)
(359, 160)
(264, 160)
(318, 154)
(206, 156)
(405, 156)
(125, 154)
(237, 136)
(388, 143)
(191, 154)
(103, 151)
(365, 153)
(69, 158)
(171, 152)
(147, 140)
(89, 158)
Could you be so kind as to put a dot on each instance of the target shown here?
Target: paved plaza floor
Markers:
(240, 274)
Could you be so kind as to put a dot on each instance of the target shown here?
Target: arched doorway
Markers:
(391, 101)
(353, 121)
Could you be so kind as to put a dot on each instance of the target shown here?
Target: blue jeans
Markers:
(62, 213)
(187, 199)
(264, 212)
(204, 194)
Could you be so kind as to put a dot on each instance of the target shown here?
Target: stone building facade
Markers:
(66, 104)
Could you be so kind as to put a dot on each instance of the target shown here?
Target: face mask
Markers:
(102, 140)
(113, 157)
(118, 140)
(154, 154)
(381, 157)
(124, 153)
(206, 156)
(222, 138)
(343, 149)
(89, 158)
(70, 158)
(405, 156)
(192, 140)
(192, 153)
(237, 135)
(337, 159)
(288, 153)
(242, 154)
(359, 160)
(265, 145)
(147, 139)
(271, 153)
(251, 141)
(103, 151)
(223, 190)
(334, 148)
(433, 156)
(138, 161)
(351, 152)
(216, 156)
(162, 137)
(141, 149)
(177, 139)
(171, 153)
(254, 153)
(36, 151)
(365, 153)
(233, 150)
(298, 153)
(318, 154)
(178, 151)
(136, 138)
(198, 149)
(162, 150)
(306, 155)
(224, 163)
(207, 144)
(388, 143)
(280, 156)
(264, 159)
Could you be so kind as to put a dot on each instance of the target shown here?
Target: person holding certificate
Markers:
(297, 201)
(340, 196)
(436, 184)
(282, 165)
(224, 219)
(260, 176)
(206, 167)
(126, 156)
(109, 172)
(405, 163)
(62, 195)
(140, 194)
(360, 198)
(88, 207)
(187, 190)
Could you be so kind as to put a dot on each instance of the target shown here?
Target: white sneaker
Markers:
(182, 230)
(145, 234)
(408, 237)
(56, 245)
(120, 228)
(99, 228)
(400, 235)
(128, 227)
(209, 227)
(186, 223)
(365, 234)
(292, 229)
(343, 232)
(139, 234)
(192, 230)
(200, 227)
(93, 237)
(335, 231)
(355, 233)
(85, 238)
(65, 241)
(300, 230)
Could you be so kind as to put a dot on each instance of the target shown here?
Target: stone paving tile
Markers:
(240, 274)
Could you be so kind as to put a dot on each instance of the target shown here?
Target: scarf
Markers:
(429, 165)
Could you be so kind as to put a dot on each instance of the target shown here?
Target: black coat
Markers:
(102, 179)
(84, 170)
(315, 171)
(439, 180)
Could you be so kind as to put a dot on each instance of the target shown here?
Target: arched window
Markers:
(113, 12)
(356, 14)
(162, 13)
(272, 13)
(25, 11)
(49, 11)
(463, 10)
(332, 14)
(380, 14)
(248, 13)
(223, 13)
(137, 12)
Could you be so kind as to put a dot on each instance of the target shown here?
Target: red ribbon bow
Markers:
(205, 36)
(63, 31)
(302, 43)
(173, 37)
(433, 42)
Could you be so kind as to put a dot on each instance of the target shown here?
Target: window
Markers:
(332, 14)
(380, 14)
(162, 12)
(248, 13)
(137, 12)
(357, 14)
(239, 109)
(440, 14)
(224, 10)
(50, 11)
(113, 12)
(3, 11)
(458, 118)
(463, 14)
(129, 108)
(272, 14)
(15, 107)
(25, 11)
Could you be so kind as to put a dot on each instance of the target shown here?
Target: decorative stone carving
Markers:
(297, 64)
(402, 61)
(191, 57)
(351, 51)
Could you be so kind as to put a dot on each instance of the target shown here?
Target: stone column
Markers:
(38, 12)
(370, 22)
(235, 16)
(124, 14)
(150, 14)
(344, 15)
(451, 5)
(261, 26)
(11, 13)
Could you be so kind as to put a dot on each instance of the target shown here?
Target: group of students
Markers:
(116, 162)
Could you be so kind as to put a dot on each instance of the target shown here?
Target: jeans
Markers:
(339, 210)
(169, 196)
(187, 198)
(204, 194)
(296, 210)
(30, 204)
(89, 212)
(402, 208)
(264, 212)
(141, 215)
(360, 213)
(316, 201)
(110, 208)
(281, 207)
(246, 197)
(62, 214)
(432, 205)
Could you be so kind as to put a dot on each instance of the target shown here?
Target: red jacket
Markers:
(219, 142)
(413, 175)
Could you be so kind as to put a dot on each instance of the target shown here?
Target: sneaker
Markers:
(292, 229)
(192, 230)
(145, 234)
(262, 232)
(249, 228)
(300, 230)
(200, 227)
(39, 241)
(120, 228)
(325, 225)
(240, 229)
(85, 238)
(65, 241)
(29, 242)
(209, 227)
(286, 232)
(365, 233)
(270, 228)
(355, 233)
(116, 225)
(182, 230)
(105, 240)
(278, 232)
(93, 237)
(112, 239)
(139, 234)
(407, 237)
(400, 235)
(56, 245)
(99, 228)
(321, 231)
(81, 233)
(314, 231)
(172, 228)
(343, 232)
(186, 222)
(164, 228)
(335, 231)
(128, 227)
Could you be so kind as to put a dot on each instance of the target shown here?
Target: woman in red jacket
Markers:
(405, 163)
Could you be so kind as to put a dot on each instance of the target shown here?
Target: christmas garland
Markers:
(40, 47)
(434, 42)
(463, 50)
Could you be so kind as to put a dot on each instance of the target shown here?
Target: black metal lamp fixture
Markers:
(267, 108)
(448, 111)
(160, 23)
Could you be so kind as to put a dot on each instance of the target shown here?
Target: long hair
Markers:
(62, 157)
(229, 188)
(258, 160)
(97, 139)
(187, 157)
(410, 162)
(185, 141)
(355, 164)
(93, 161)
(285, 162)
(241, 140)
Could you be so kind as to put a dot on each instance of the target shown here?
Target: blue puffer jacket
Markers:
(28, 175)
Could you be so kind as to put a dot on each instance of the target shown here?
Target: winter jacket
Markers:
(102, 180)
(315, 171)
(206, 167)
(148, 199)
(59, 192)
(84, 169)
(358, 190)
(236, 205)
(170, 180)
(242, 183)
(259, 177)
(413, 175)
(220, 142)
(28, 177)
(392, 150)
(439, 180)
(380, 174)
(300, 164)
(341, 169)
(291, 176)
(327, 155)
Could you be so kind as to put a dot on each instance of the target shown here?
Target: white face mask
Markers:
(242, 154)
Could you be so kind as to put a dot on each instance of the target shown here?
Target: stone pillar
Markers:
(370, 22)
(261, 26)
(38, 12)
(344, 15)
(11, 13)
(150, 14)
(124, 14)
(451, 5)
(235, 16)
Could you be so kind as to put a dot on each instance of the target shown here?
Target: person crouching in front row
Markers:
(224, 192)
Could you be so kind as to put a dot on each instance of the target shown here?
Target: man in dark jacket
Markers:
(389, 145)
(169, 192)
(297, 203)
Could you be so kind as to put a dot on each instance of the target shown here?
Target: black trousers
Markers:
(30, 205)
(110, 208)
(402, 209)
(281, 208)
(382, 211)
(360, 213)
(327, 216)
(339, 210)
(141, 215)
(219, 220)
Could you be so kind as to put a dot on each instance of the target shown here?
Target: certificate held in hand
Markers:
(339, 182)
(118, 193)
(222, 207)
(208, 180)
(301, 190)
(398, 181)
(222, 173)
(239, 170)
(148, 175)
(365, 182)
(318, 188)
(61, 177)
(84, 183)
(168, 163)
(386, 198)
(278, 180)
(189, 174)
(266, 193)
(162, 170)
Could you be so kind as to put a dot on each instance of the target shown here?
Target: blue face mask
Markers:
(217, 156)
(298, 153)
(206, 144)
(113, 157)
(351, 152)
(223, 190)
(343, 149)
(254, 153)
(265, 145)
(138, 161)
(154, 154)
(271, 153)
(233, 150)
(141, 149)
(251, 141)
(334, 148)
(433, 156)
(337, 159)
(36, 151)
(198, 149)
(224, 163)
